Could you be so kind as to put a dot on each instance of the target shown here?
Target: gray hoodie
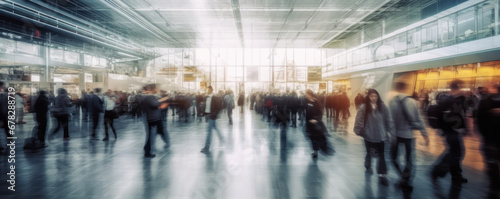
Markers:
(412, 121)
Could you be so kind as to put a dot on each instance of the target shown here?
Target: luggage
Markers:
(33, 142)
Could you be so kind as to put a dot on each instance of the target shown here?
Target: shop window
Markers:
(429, 36)
(447, 31)
(466, 25)
(486, 20)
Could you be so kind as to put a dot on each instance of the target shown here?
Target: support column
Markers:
(105, 81)
(81, 81)
(45, 71)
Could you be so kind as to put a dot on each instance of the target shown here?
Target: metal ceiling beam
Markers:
(353, 24)
(237, 20)
(129, 13)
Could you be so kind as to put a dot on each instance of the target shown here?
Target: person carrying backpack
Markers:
(450, 114)
(406, 117)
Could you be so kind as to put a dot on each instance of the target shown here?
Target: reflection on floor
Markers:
(251, 164)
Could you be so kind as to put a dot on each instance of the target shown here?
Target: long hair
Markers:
(368, 107)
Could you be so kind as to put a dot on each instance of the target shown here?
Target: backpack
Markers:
(446, 114)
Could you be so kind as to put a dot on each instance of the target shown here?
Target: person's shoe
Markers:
(105, 138)
(115, 137)
(205, 150)
(383, 180)
(459, 179)
(67, 138)
(315, 154)
(149, 155)
(369, 170)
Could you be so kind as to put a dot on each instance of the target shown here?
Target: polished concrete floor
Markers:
(252, 163)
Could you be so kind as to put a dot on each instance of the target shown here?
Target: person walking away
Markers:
(315, 128)
(41, 109)
(213, 105)
(241, 101)
(150, 107)
(406, 117)
(60, 111)
(110, 113)
(374, 123)
(489, 125)
(20, 104)
(95, 108)
(229, 101)
(452, 125)
(294, 108)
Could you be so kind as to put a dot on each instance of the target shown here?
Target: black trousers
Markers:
(62, 120)
(451, 158)
(95, 122)
(150, 138)
(492, 159)
(408, 144)
(373, 148)
(42, 127)
(108, 119)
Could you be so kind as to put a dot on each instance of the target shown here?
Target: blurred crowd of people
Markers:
(378, 123)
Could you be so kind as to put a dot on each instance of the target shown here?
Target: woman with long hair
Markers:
(315, 128)
(374, 123)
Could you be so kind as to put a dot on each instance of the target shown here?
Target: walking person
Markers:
(95, 108)
(41, 109)
(315, 128)
(488, 121)
(451, 125)
(61, 112)
(150, 107)
(241, 101)
(229, 101)
(20, 104)
(406, 117)
(213, 105)
(374, 123)
(110, 113)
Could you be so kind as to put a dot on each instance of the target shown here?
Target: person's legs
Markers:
(230, 115)
(394, 155)
(492, 160)
(381, 166)
(368, 157)
(456, 154)
(65, 121)
(149, 141)
(208, 140)
(409, 159)
(95, 122)
(42, 127)
(59, 122)
(111, 121)
(160, 130)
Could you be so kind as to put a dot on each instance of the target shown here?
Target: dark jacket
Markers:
(489, 119)
(63, 103)
(215, 107)
(314, 111)
(150, 106)
(41, 106)
(241, 99)
(95, 104)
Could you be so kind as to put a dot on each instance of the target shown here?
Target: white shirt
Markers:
(109, 103)
(208, 103)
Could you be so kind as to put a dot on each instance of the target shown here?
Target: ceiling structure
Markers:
(227, 23)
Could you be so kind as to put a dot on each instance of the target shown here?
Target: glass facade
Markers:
(468, 24)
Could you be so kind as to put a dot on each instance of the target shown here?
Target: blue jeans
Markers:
(211, 126)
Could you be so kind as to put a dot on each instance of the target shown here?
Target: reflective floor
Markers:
(252, 163)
